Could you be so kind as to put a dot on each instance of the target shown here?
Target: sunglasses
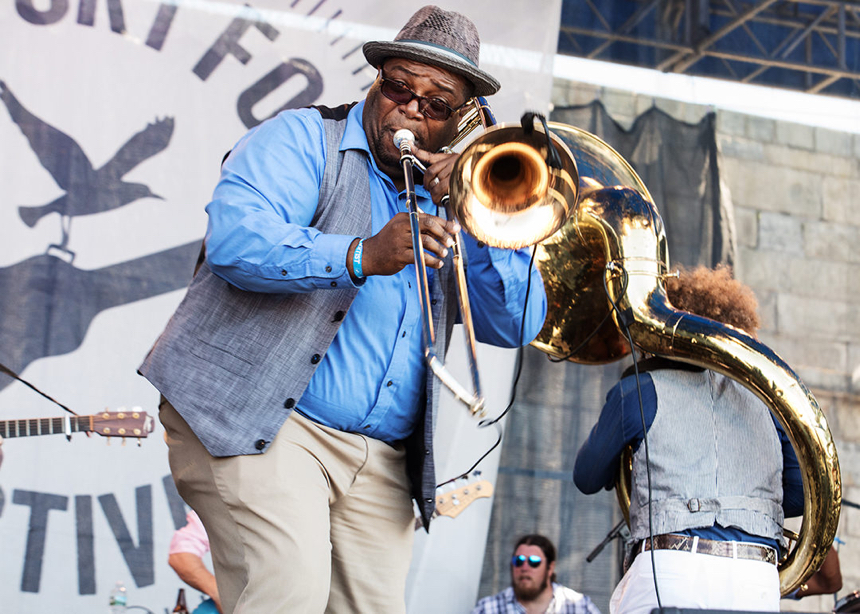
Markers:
(520, 560)
(433, 108)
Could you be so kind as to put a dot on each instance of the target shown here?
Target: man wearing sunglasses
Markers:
(298, 407)
(533, 587)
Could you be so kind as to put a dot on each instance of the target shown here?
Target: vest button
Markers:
(315, 359)
(338, 316)
(433, 302)
(261, 443)
(290, 403)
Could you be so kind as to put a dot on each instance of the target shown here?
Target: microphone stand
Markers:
(615, 532)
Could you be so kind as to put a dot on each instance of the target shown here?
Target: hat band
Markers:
(442, 48)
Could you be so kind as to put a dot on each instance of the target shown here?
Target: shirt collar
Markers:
(353, 136)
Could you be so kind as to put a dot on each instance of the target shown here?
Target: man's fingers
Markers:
(441, 229)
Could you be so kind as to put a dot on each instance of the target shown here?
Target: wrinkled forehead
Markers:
(441, 78)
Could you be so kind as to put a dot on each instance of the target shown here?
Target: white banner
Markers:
(115, 117)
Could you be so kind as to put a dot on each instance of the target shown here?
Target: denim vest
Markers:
(715, 458)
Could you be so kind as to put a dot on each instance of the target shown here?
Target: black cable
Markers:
(623, 322)
(517, 372)
(597, 328)
(13, 375)
(527, 121)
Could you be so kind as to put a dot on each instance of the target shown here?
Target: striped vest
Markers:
(715, 458)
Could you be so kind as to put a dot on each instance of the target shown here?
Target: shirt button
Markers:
(428, 500)
(261, 443)
(283, 273)
(328, 269)
(334, 284)
(290, 403)
(389, 384)
(315, 359)
(426, 452)
(403, 334)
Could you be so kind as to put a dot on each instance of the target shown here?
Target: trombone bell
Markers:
(505, 194)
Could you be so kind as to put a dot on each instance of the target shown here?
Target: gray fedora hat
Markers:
(445, 39)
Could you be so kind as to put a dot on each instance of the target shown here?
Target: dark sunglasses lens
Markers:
(436, 110)
(534, 561)
(396, 92)
(518, 561)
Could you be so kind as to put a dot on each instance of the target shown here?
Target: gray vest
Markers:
(235, 363)
(715, 457)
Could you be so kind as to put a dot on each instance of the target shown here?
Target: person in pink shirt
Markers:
(187, 548)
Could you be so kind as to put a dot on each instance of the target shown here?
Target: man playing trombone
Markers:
(298, 407)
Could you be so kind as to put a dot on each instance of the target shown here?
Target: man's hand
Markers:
(388, 251)
(439, 168)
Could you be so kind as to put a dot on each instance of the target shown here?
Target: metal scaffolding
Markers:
(812, 46)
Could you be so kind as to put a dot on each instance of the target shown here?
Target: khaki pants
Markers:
(322, 522)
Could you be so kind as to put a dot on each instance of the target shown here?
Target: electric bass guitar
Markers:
(123, 423)
(452, 503)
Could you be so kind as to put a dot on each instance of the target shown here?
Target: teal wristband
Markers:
(356, 260)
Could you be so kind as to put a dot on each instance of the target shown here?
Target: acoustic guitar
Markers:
(122, 423)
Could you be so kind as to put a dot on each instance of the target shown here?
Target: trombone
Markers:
(512, 187)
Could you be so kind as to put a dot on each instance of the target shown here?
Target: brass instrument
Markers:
(515, 188)
(616, 243)
(505, 192)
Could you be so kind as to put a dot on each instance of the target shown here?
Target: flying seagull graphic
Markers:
(88, 190)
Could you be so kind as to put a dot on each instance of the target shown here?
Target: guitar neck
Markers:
(45, 426)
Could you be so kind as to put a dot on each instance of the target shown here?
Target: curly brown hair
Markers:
(715, 294)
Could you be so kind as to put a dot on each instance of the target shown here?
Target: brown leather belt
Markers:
(732, 550)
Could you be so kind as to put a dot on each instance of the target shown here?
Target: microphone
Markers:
(403, 140)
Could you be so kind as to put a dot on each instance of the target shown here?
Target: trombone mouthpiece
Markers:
(403, 139)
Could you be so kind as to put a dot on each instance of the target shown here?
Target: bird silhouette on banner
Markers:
(87, 190)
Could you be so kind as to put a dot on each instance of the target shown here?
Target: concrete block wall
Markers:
(796, 196)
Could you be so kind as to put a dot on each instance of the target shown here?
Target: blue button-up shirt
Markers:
(372, 376)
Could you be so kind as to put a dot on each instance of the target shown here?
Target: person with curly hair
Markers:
(715, 479)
